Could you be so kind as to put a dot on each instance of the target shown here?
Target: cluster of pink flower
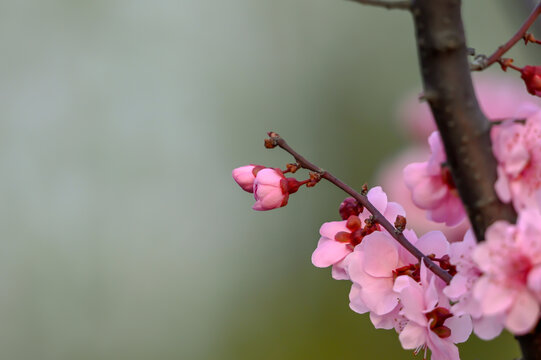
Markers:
(496, 284)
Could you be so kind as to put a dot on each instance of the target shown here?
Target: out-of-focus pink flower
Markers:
(245, 176)
(432, 187)
(532, 78)
(510, 260)
(460, 290)
(270, 189)
(390, 177)
(430, 322)
(339, 238)
(517, 147)
(498, 96)
(379, 259)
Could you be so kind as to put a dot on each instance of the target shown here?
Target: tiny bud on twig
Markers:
(528, 37)
(314, 179)
(292, 168)
(272, 141)
(364, 190)
(505, 63)
(400, 224)
(371, 221)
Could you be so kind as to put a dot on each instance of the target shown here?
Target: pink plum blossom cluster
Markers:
(389, 283)
(495, 283)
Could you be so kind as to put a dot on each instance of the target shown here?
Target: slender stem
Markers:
(388, 4)
(363, 200)
(483, 62)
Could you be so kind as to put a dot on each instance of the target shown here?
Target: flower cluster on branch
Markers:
(430, 279)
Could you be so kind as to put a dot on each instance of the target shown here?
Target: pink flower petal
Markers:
(450, 211)
(413, 336)
(433, 242)
(524, 314)
(502, 186)
(329, 229)
(461, 328)
(329, 252)
(534, 281)
(378, 198)
(393, 210)
(386, 321)
(414, 173)
(429, 193)
(355, 302)
(380, 254)
(488, 327)
(493, 297)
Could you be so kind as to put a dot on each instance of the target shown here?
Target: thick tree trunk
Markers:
(463, 127)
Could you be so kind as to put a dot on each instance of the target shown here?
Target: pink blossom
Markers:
(397, 190)
(245, 176)
(430, 323)
(498, 96)
(517, 148)
(339, 238)
(432, 186)
(379, 259)
(460, 290)
(510, 260)
(270, 189)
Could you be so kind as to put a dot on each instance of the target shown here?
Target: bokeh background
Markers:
(123, 235)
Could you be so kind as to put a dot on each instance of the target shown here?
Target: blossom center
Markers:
(357, 231)
(436, 318)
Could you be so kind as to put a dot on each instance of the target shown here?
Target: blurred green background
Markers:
(123, 235)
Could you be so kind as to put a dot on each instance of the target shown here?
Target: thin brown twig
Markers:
(481, 62)
(363, 200)
(403, 5)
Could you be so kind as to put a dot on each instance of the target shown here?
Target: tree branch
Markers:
(388, 4)
(463, 127)
(482, 62)
(276, 140)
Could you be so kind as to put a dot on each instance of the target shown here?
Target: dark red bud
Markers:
(270, 143)
(364, 190)
(349, 207)
(532, 78)
(442, 332)
(353, 223)
(400, 223)
(342, 236)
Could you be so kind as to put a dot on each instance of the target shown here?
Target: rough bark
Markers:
(464, 128)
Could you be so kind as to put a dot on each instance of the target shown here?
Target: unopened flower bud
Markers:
(532, 77)
(245, 176)
(349, 207)
(271, 189)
